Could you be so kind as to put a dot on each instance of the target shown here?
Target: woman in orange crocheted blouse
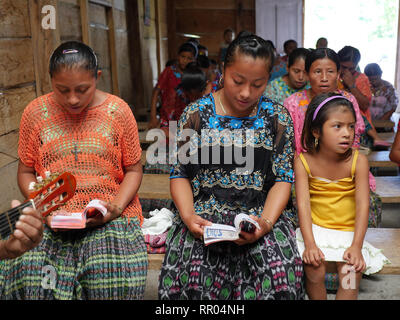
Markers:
(92, 134)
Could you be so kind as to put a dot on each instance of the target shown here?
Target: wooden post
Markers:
(135, 53)
(44, 41)
(171, 18)
(397, 73)
(84, 4)
(238, 20)
(158, 36)
(113, 52)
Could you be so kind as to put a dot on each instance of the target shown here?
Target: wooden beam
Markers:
(85, 22)
(44, 41)
(135, 54)
(35, 23)
(171, 18)
(158, 36)
(113, 51)
(397, 73)
(103, 3)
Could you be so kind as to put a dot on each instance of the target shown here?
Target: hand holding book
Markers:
(78, 220)
(221, 232)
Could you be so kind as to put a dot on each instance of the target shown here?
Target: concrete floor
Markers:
(374, 287)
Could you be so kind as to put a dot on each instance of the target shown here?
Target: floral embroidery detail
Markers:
(236, 124)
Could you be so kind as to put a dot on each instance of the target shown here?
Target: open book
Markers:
(77, 220)
(222, 232)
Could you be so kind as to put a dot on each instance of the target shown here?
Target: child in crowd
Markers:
(193, 86)
(166, 86)
(332, 198)
(229, 35)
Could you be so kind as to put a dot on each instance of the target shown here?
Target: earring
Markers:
(315, 143)
(221, 82)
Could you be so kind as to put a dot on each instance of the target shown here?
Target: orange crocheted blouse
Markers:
(94, 146)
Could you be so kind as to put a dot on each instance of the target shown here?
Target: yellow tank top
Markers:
(333, 203)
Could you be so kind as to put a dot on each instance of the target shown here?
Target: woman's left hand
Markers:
(246, 237)
(113, 212)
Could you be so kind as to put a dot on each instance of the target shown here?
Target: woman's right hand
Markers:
(196, 224)
(313, 255)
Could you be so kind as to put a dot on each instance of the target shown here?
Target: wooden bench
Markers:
(387, 136)
(155, 186)
(142, 126)
(382, 124)
(380, 159)
(388, 188)
(382, 238)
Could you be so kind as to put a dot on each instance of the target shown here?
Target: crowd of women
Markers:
(309, 189)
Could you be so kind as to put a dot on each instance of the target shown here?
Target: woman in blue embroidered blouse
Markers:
(212, 182)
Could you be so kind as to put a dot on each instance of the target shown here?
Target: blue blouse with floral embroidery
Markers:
(233, 162)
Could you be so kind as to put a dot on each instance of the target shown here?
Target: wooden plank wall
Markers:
(25, 49)
(149, 50)
(208, 19)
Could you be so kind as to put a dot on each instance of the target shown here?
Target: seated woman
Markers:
(92, 134)
(358, 85)
(384, 96)
(263, 264)
(296, 78)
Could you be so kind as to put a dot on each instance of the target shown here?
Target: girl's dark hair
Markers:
(193, 78)
(322, 53)
(310, 125)
(203, 62)
(372, 69)
(287, 42)
(299, 53)
(189, 47)
(73, 54)
(250, 45)
(349, 53)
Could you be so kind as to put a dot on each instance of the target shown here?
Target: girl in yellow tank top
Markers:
(333, 199)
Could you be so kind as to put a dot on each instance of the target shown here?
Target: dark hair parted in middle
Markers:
(349, 53)
(250, 45)
(189, 47)
(73, 54)
(322, 53)
(310, 125)
(298, 53)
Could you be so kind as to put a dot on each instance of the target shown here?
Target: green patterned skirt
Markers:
(270, 268)
(107, 262)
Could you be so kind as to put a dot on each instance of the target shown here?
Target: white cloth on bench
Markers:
(333, 244)
(159, 222)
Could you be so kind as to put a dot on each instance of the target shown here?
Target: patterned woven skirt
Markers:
(270, 268)
(107, 262)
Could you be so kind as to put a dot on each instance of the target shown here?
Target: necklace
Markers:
(220, 103)
(252, 113)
